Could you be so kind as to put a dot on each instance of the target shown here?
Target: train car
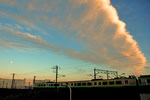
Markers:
(89, 83)
(99, 83)
(144, 80)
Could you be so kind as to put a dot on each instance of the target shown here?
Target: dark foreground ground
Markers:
(125, 93)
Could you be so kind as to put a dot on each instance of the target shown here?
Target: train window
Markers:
(52, 84)
(79, 84)
(99, 83)
(148, 80)
(71, 84)
(75, 84)
(118, 82)
(126, 82)
(140, 81)
(56, 84)
(111, 83)
(95, 83)
(89, 83)
(83, 84)
(104, 83)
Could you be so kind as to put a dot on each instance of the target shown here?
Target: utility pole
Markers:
(95, 73)
(56, 67)
(24, 82)
(29, 84)
(56, 74)
(116, 74)
(12, 84)
(107, 73)
(3, 84)
(6, 85)
(34, 80)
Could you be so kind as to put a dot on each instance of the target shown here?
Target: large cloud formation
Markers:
(95, 23)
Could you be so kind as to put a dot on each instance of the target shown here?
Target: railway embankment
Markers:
(121, 93)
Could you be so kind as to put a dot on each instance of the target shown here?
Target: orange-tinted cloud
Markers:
(94, 23)
(99, 28)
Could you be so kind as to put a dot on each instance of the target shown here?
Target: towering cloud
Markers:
(95, 24)
(98, 27)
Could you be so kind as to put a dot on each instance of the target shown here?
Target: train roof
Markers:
(99, 80)
(144, 76)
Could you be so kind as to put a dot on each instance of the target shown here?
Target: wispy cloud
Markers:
(26, 40)
(44, 6)
(8, 2)
(11, 45)
(19, 27)
(28, 22)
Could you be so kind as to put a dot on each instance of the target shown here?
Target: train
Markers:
(131, 81)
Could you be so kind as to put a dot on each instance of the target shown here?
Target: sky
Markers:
(76, 35)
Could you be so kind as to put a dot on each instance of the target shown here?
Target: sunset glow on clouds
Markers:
(86, 30)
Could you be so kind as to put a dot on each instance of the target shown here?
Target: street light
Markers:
(70, 91)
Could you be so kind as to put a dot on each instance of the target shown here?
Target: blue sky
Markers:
(75, 35)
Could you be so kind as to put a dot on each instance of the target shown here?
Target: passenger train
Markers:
(143, 80)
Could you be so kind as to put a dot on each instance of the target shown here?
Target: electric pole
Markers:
(24, 82)
(95, 73)
(29, 84)
(56, 74)
(12, 83)
(56, 67)
(3, 84)
(107, 73)
(6, 85)
(34, 80)
(116, 74)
